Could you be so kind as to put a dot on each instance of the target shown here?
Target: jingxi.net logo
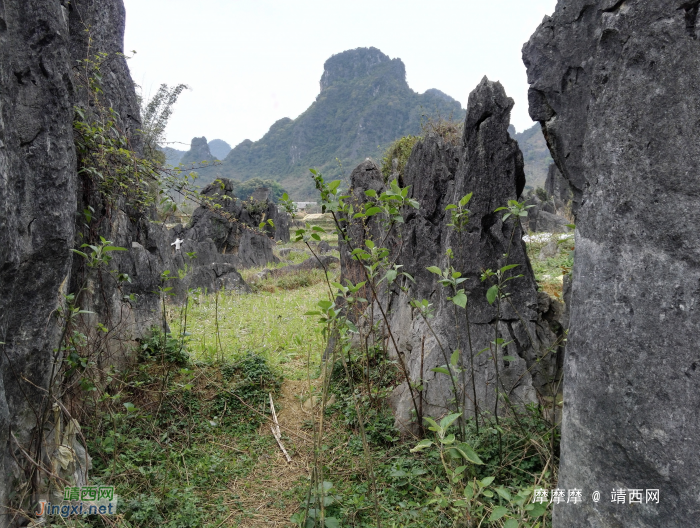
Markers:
(84, 500)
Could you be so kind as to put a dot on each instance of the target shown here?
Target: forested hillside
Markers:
(364, 104)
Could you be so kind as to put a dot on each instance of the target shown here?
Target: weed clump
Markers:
(448, 130)
(159, 346)
(249, 381)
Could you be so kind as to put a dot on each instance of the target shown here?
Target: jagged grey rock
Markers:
(550, 250)
(489, 164)
(614, 85)
(543, 221)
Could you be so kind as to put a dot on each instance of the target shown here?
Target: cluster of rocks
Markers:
(222, 238)
(489, 164)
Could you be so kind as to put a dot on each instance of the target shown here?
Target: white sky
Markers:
(251, 62)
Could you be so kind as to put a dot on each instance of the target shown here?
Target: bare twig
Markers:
(276, 430)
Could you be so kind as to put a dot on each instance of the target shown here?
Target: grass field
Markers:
(193, 445)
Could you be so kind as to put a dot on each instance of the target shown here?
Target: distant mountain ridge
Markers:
(364, 104)
(218, 148)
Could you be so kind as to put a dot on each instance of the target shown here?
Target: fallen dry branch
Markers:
(275, 428)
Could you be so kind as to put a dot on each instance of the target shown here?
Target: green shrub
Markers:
(400, 150)
(542, 194)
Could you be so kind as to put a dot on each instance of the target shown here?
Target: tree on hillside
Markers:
(245, 189)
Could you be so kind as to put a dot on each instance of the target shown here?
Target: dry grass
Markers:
(262, 494)
(449, 130)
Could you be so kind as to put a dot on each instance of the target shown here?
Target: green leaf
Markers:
(497, 513)
(465, 200)
(509, 267)
(332, 522)
(113, 248)
(469, 492)
(571, 226)
(449, 420)
(511, 523)
(371, 193)
(487, 481)
(451, 206)
(503, 493)
(492, 294)
(468, 453)
(441, 370)
(508, 358)
(460, 300)
(373, 211)
(433, 424)
(454, 358)
(434, 269)
(423, 444)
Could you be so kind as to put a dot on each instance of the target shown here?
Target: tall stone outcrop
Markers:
(233, 227)
(37, 208)
(614, 85)
(489, 164)
(199, 153)
(43, 204)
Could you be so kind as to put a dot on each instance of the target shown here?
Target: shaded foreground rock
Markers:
(614, 85)
(489, 164)
(37, 206)
(43, 200)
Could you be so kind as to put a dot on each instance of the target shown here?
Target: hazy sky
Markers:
(251, 62)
